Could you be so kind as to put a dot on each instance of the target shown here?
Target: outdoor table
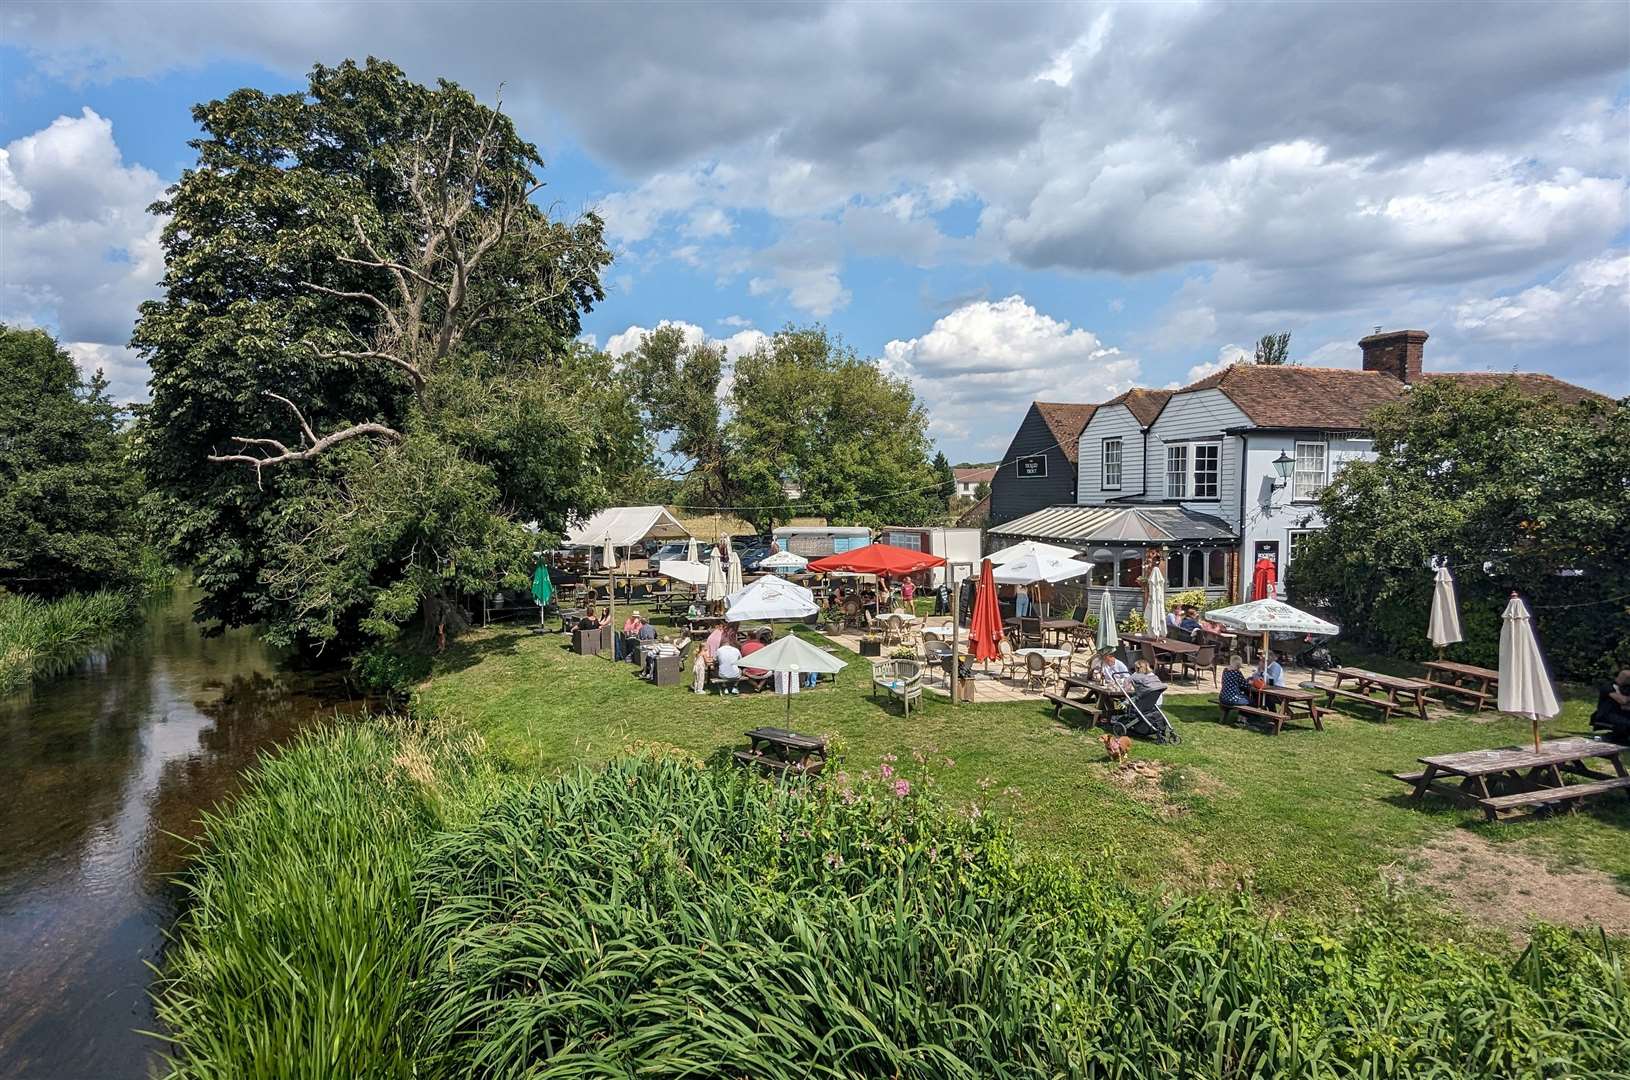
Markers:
(1467, 680)
(1101, 701)
(1513, 778)
(1054, 658)
(1173, 646)
(1276, 704)
(782, 751)
(1400, 693)
(1059, 627)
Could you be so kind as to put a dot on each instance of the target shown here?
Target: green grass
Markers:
(42, 638)
(1305, 821)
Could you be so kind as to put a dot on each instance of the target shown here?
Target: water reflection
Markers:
(97, 770)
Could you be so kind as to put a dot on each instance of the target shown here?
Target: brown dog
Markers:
(1119, 747)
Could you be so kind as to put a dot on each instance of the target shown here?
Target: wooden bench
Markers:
(783, 752)
(1081, 705)
(1387, 707)
(1478, 697)
(1494, 806)
(1273, 716)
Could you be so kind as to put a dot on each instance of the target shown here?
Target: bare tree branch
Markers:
(310, 445)
(385, 309)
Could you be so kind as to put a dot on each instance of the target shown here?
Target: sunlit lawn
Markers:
(1305, 819)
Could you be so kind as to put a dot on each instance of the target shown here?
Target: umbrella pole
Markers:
(1264, 661)
(1534, 719)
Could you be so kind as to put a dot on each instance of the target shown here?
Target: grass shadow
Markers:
(470, 651)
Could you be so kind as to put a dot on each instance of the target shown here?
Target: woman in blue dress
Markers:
(1234, 690)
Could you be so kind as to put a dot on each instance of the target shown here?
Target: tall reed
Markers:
(40, 638)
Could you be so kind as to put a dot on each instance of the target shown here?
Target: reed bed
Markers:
(379, 905)
(43, 638)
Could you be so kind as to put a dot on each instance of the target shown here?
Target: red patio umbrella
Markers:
(884, 560)
(985, 629)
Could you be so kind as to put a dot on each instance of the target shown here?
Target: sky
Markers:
(1001, 203)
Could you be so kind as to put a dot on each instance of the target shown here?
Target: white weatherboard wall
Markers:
(1273, 515)
(1108, 423)
(1200, 415)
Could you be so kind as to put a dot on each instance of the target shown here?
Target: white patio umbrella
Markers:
(608, 556)
(715, 579)
(768, 599)
(690, 550)
(732, 578)
(691, 573)
(793, 656)
(784, 561)
(1034, 567)
(1271, 617)
(1444, 626)
(1025, 548)
(1525, 688)
(1107, 636)
(1154, 609)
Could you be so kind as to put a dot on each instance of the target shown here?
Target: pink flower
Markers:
(902, 788)
(885, 771)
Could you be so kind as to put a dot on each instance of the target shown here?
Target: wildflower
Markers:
(919, 757)
(974, 812)
(849, 797)
(902, 788)
(834, 860)
(891, 757)
(885, 771)
(1010, 791)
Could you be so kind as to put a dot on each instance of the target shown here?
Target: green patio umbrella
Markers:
(1107, 637)
(543, 590)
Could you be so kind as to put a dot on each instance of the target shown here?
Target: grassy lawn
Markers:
(1305, 820)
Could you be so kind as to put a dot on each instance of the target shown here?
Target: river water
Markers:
(101, 772)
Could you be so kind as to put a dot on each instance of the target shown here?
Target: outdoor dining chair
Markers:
(1204, 660)
(1037, 674)
(1012, 666)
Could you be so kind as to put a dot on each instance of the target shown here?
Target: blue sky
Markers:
(998, 203)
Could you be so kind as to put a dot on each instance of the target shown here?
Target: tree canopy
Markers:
(1273, 349)
(68, 497)
(807, 427)
(1518, 493)
(365, 375)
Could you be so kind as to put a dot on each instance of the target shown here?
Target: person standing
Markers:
(1021, 602)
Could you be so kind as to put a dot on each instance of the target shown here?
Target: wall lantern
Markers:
(1282, 465)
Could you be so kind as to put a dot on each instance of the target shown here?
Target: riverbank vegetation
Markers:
(42, 638)
(380, 903)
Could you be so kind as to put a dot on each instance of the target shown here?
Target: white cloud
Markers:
(81, 250)
(1227, 356)
(1586, 303)
(980, 363)
(742, 341)
(706, 222)
(735, 320)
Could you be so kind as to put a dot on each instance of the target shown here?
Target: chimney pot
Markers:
(1398, 353)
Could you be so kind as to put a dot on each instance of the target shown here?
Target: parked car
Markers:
(668, 552)
(754, 555)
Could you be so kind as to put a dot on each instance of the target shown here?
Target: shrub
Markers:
(1195, 598)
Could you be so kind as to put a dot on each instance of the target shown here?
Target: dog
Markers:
(1119, 747)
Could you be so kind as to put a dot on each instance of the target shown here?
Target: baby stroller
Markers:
(1143, 718)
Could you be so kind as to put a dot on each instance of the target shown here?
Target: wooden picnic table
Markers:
(781, 751)
(1516, 778)
(1172, 646)
(1100, 701)
(1276, 704)
(1466, 680)
(1398, 693)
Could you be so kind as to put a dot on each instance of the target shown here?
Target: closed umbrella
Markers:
(1154, 608)
(985, 628)
(690, 550)
(608, 556)
(715, 579)
(1444, 626)
(793, 655)
(543, 589)
(1263, 578)
(1107, 637)
(1525, 688)
(732, 580)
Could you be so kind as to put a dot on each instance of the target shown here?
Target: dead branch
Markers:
(277, 453)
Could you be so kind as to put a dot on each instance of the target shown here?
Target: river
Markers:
(101, 772)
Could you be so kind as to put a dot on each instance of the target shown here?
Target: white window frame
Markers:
(1181, 474)
(1104, 462)
(1190, 472)
(1297, 493)
(1291, 537)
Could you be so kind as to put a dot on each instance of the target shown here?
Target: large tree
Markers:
(1518, 493)
(364, 369)
(68, 497)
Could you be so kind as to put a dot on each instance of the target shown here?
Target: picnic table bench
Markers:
(779, 751)
(1512, 779)
(1101, 701)
(1399, 693)
(1278, 704)
(1478, 684)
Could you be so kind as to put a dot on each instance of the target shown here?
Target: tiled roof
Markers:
(1065, 421)
(1530, 383)
(1291, 395)
(975, 476)
(975, 516)
(1144, 405)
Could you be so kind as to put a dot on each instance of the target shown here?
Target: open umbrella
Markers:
(1154, 608)
(793, 655)
(1525, 688)
(1034, 567)
(715, 579)
(1444, 626)
(1026, 548)
(768, 599)
(690, 550)
(784, 562)
(884, 560)
(1271, 617)
(985, 628)
(1107, 637)
(691, 573)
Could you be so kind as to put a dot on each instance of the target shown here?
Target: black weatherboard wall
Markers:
(1036, 447)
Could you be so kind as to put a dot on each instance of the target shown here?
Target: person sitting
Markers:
(1191, 620)
(1234, 691)
(1143, 679)
(729, 658)
(1174, 621)
(1109, 668)
(757, 676)
(1271, 672)
(631, 625)
(590, 619)
(1612, 715)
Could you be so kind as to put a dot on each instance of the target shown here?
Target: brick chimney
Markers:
(1396, 352)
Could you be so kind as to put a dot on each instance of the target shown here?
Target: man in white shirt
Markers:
(1111, 669)
(1272, 673)
(729, 658)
